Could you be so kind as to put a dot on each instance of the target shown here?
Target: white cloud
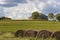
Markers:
(1, 11)
(20, 11)
(2, 2)
(49, 2)
(41, 5)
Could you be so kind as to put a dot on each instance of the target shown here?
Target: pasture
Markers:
(14, 25)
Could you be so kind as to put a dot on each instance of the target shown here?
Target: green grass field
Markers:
(8, 25)
(12, 26)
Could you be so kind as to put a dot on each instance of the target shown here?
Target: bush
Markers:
(58, 17)
(5, 18)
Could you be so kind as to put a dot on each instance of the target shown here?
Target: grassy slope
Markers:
(35, 25)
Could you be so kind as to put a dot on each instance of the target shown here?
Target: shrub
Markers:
(58, 17)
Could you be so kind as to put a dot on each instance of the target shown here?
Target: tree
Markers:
(51, 16)
(35, 15)
(58, 17)
(43, 17)
(5, 18)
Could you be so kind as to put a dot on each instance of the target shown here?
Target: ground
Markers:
(11, 25)
(14, 25)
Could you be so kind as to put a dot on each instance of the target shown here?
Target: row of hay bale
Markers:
(38, 34)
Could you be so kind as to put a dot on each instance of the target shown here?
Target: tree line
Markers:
(5, 18)
(40, 16)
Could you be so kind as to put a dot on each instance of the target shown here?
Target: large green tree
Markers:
(43, 16)
(58, 17)
(35, 15)
(51, 16)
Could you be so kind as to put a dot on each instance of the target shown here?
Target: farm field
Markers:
(23, 39)
(12, 26)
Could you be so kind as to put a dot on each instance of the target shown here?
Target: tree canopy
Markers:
(58, 17)
(35, 15)
(4, 18)
(51, 15)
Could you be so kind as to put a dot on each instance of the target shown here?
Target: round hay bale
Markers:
(19, 33)
(44, 34)
(30, 33)
(56, 35)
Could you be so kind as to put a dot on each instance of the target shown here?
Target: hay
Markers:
(30, 33)
(19, 33)
(44, 34)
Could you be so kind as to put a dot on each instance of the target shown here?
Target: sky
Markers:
(22, 9)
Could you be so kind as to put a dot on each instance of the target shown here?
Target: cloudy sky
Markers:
(22, 9)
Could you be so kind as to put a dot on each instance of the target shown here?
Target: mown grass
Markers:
(25, 39)
(10, 25)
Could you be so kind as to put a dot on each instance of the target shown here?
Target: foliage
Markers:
(58, 17)
(4, 18)
(40, 16)
(51, 15)
(43, 17)
(35, 15)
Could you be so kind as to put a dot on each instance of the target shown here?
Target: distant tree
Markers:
(58, 17)
(35, 15)
(4, 18)
(1, 18)
(43, 17)
(51, 16)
